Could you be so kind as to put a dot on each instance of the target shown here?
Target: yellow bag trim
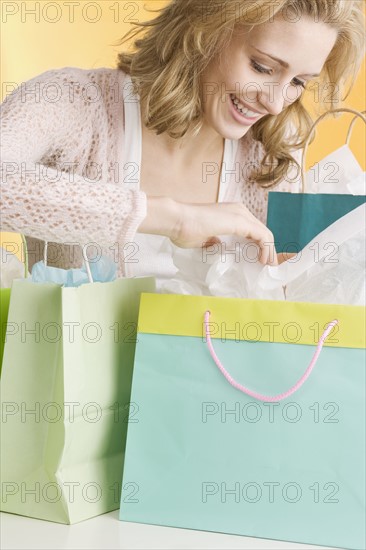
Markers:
(254, 320)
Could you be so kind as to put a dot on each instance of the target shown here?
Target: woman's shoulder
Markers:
(101, 79)
(62, 107)
(71, 82)
(69, 92)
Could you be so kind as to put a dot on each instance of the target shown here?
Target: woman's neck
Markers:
(205, 144)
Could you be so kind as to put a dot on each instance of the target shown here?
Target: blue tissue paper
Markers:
(103, 271)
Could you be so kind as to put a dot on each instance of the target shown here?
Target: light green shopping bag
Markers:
(65, 393)
(202, 454)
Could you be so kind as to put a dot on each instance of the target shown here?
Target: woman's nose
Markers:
(272, 98)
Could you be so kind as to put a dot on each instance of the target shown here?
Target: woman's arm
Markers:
(49, 203)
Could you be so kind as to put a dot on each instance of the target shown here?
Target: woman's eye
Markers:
(299, 83)
(259, 68)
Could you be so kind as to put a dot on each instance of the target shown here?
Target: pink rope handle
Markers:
(260, 396)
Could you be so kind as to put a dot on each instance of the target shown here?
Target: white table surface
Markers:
(108, 532)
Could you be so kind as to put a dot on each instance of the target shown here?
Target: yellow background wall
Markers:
(44, 34)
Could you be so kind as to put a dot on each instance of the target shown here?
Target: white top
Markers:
(150, 259)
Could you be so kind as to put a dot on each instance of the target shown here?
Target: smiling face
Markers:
(246, 78)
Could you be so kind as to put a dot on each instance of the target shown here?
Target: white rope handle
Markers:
(260, 396)
(85, 257)
(359, 115)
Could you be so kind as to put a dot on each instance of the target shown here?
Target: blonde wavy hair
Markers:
(173, 49)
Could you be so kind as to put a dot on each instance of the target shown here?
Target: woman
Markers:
(181, 140)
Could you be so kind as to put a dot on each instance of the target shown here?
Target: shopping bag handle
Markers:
(359, 114)
(85, 257)
(25, 249)
(24, 255)
(254, 394)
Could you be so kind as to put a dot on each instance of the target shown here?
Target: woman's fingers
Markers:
(211, 241)
(201, 223)
(267, 255)
(259, 233)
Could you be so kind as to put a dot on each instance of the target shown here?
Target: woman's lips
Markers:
(239, 117)
(245, 105)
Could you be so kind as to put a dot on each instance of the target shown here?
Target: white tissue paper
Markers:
(11, 268)
(330, 269)
(339, 172)
(192, 265)
(358, 185)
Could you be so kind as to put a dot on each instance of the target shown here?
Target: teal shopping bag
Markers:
(306, 215)
(201, 454)
(296, 218)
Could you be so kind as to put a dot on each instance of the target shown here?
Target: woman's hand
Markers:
(195, 225)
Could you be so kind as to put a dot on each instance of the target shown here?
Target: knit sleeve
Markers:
(44, 201)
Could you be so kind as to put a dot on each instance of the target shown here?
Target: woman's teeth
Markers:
(240, 107)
